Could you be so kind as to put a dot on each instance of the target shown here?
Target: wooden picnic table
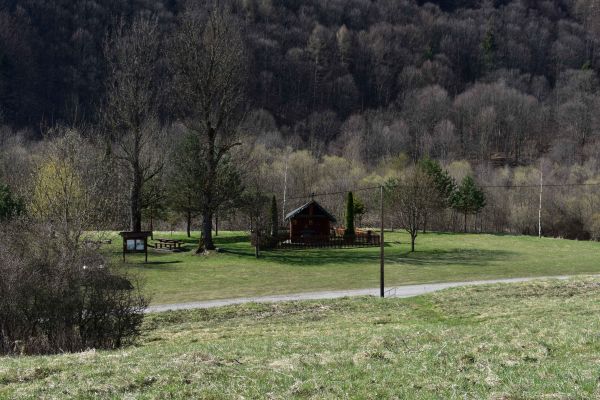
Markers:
(171, 244)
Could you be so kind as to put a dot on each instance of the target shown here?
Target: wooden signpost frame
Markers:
(136, 237)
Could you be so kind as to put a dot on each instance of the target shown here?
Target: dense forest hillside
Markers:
(367, 79)
(322, 95)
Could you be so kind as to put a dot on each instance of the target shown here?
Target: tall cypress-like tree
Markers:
(274, 217)
(350, 231)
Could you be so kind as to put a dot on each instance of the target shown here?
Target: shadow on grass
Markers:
(153, 264)
(245, 249)
(219, 240)
(358, 256)
(465, 257)
(163, 262)
(190, 240)
(237, 239)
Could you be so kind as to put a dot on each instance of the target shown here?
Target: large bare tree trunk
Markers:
(257, 246)
(216, 224)
(206, 241)
(207, 212)
(136, 202)
(189, 224)
(152, 223)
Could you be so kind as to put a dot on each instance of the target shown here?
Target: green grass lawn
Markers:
(536, 340)
(182, 277)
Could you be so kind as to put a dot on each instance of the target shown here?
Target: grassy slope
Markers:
(182, 277)
(525, 341)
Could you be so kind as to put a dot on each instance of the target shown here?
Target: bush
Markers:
(268, 241)
(10, 206)
(59, 299)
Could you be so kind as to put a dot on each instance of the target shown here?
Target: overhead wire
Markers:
(361, 189)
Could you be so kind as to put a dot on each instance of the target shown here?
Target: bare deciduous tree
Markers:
(209, 62)
(410, 199)
(131, 110)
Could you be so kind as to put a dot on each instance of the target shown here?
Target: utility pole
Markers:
(285, 179)
(381, 252)
(540, 208)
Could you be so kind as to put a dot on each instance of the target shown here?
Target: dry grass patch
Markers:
(519, 341)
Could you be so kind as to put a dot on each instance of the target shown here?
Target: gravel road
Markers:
(397, 291)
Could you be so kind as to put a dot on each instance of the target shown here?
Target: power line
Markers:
(538, 185)
(334, 193)
(325, 194)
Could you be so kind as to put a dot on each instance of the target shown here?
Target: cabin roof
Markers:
(320, 208)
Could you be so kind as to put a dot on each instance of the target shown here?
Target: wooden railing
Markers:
(331, 241)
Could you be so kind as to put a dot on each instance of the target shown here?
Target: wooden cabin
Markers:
(310, 223)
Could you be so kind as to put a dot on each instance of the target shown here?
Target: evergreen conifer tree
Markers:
(468, 198)
(10, 206)
(444, 183)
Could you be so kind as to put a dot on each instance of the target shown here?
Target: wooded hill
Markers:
(481, 80)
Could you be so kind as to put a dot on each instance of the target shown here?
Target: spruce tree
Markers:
(350, 231)
(468, 198)
(444, 183)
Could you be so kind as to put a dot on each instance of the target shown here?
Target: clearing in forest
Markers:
(175, 277)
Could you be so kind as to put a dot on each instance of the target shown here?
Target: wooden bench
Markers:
(170, 244)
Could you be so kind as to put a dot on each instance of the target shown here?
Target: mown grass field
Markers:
(183, 277)
(538, 340)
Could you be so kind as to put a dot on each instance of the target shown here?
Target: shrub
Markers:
(268, 241)
(10, 206)
(56, 299)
